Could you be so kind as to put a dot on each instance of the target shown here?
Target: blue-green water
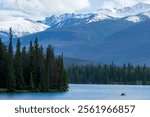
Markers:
(87, 92)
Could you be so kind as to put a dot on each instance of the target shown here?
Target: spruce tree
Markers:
(36, 62)
(19, 68)
(31, 86)
(64, 74)
(10, 68)
(65, 80)
(144, 75)
(44, 81)
(25, 64)
(62, 81)
(58, 80)
(50, 65)
(32, 68)
(2, 64)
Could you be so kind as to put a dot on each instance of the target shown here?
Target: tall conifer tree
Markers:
(50, 65)
(36, 62)
(25, 64)
(32, 67)
(44, 81)
(11, 72)
(19, 68)
(2, 64)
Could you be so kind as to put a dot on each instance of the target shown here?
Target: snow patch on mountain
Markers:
(21, 26)
(133, 10)
(98, 17)
(147, 13)
(134, 19)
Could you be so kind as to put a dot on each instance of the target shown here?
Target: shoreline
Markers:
(28, 91)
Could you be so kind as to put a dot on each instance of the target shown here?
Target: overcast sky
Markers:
(46, 7)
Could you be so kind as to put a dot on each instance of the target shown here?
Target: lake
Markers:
(87, 92)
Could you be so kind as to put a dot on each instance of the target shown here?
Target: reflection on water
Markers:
(87, 92)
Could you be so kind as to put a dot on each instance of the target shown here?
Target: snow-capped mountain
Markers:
(20, 26)
(133, 10)
(106, 35)
(23, 26)
(136, 13)
(20, 15)
(55, 21)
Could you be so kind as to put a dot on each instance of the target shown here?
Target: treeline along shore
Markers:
(109, 74)
(31, 71)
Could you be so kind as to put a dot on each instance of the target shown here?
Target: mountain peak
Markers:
(133, 10)
(141, 5)
(130, 13)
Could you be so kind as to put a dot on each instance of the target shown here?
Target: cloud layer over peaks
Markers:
(42, 7)
(121, 3)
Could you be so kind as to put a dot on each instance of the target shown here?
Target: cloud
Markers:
(43, 7)
(35, 9)
(65, 5)
(27, 6)
(121, 3)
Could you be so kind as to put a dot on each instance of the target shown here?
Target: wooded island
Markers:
(31, 70)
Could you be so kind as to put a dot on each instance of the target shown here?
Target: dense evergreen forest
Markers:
(109, 74)
(33, 70)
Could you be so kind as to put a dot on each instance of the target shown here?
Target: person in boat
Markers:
(123, 94)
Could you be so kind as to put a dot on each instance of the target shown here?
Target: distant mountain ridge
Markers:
(107, 41)
(23, 26)
(133, 14)
(80, 41)
(107, 35)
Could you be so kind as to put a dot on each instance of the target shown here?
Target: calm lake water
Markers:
(87, 92)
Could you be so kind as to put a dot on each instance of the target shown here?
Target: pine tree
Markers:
(2, 64)
(36, 62)
(63, 83)
(50, 65)
(144, 75)
(31, 68)
(64, 75)
(10, 68)
(65, 80)
(32, 86)
(58, 79)
(25, 64)
(44, 81)
(19, 68)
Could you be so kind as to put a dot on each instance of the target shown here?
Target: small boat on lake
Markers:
(123, 94)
